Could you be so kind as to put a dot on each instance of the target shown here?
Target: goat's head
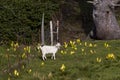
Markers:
(58, 45)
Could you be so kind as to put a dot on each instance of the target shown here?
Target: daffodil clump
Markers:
(71, 45)
(16, 73)
(110, 56)
(72, 52)
(63, 52)
(27, 49)
(14, 45)
(62, 68)
(98, 59)
(91, 45)
(24, 55)
(92, 51)
(65, 45)
(106, 45)
(83, 51)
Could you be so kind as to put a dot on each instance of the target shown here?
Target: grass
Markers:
(91, 60)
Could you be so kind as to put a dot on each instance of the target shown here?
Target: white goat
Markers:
(46, 49)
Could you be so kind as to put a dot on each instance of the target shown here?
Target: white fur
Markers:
(49, 49)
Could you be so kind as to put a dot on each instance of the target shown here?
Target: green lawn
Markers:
(90, 60)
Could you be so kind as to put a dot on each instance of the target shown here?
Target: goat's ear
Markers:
(42, 45)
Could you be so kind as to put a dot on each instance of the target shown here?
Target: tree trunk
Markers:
(106, 25)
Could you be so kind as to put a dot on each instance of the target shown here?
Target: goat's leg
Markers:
(54, 56)
(43, 57)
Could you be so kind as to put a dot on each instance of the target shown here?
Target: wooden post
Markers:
(57, 31)
(51, 32)
(42, 30)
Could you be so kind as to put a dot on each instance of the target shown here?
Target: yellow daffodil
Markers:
(42, 63)
(75, 48)
(25, 49)
(82, 50)
(99, 60)
(12, 44)
(95, 45)
(78, 40)
(16, 45)
(65, 45)
(29, 71)
(63, 52)
(62, 68)
(71, 42)
(91, 51)
(90, 45)
(85, 43)
(24, 55)
(110, 56)
(72, 52)
(80, 43)
(106, 45)
(29, 48)
(16, 73)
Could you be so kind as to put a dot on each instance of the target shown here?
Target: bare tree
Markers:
(106, 25)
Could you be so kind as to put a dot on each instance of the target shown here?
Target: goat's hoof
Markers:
(43, 59)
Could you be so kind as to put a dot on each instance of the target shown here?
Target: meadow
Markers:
(76, 60)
